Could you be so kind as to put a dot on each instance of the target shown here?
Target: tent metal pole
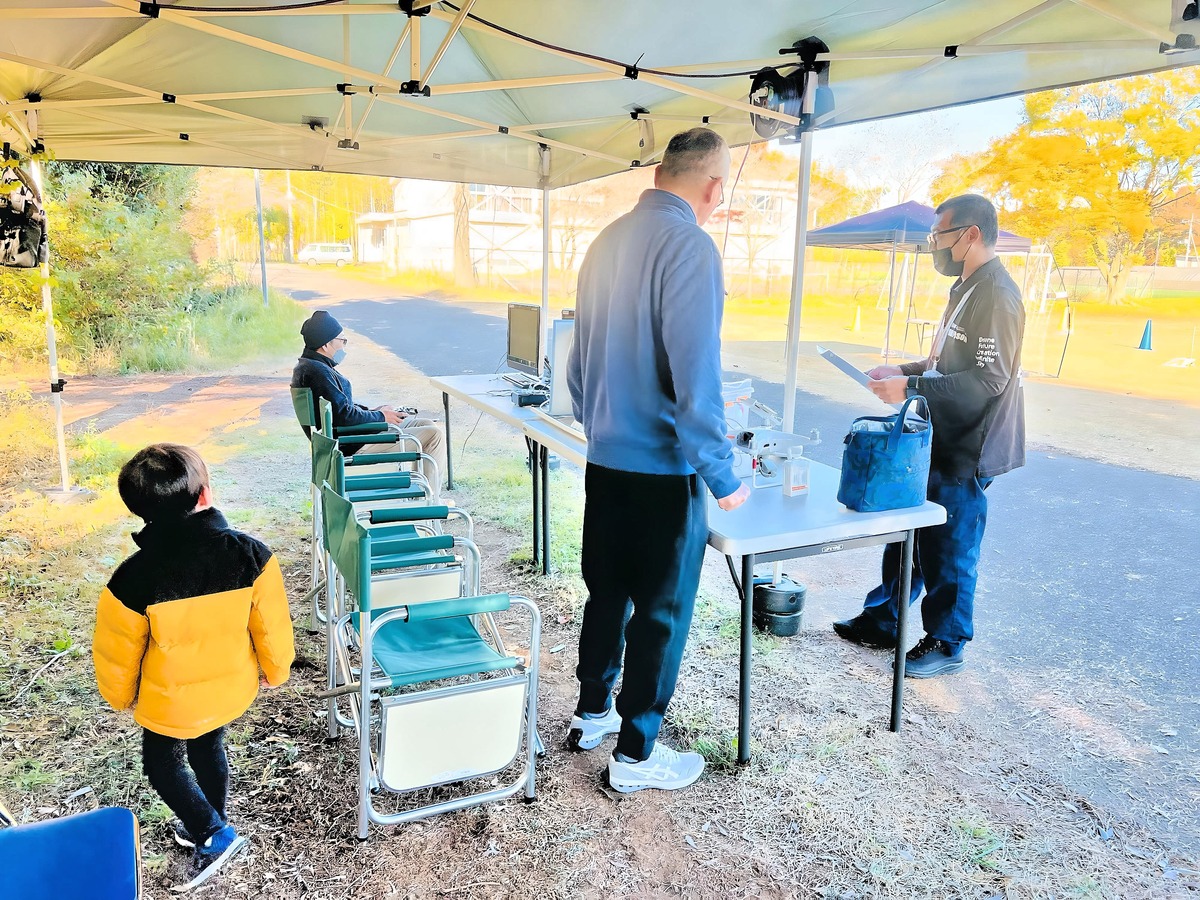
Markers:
(52, 350)
(545, 258)
(793, 330)
(262, 241)
(887, 332)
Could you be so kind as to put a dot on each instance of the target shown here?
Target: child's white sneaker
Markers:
(665, 769)
(586, 733)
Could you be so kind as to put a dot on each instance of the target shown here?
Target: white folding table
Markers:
(766, 528)
(770, 527)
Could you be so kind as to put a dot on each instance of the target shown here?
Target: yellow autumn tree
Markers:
(1090, 169)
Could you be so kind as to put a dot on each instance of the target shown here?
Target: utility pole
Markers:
(290, 249)
(262, 241)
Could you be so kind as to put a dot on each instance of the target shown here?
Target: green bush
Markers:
(127, 295)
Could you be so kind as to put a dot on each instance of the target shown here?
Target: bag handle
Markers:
(898, 425)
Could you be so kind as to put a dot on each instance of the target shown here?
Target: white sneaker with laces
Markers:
(665, 769)
(586, 734)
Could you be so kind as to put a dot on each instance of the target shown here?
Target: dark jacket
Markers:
(316, 372)
(977, 406)
(184, 625)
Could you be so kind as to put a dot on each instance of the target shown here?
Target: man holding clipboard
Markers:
(971, 383)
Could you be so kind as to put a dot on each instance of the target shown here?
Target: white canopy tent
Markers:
(534, 93)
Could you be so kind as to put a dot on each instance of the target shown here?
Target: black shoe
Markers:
(932, 657)
(862, 630)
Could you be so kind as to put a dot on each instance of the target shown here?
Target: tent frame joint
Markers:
(149, 10)
(413, 8)
(414, 88)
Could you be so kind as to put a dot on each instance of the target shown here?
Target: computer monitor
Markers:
(525, 337)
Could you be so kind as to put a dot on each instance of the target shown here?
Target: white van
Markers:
(338, 254)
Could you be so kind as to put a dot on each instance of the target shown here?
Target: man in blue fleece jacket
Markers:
(645, 379)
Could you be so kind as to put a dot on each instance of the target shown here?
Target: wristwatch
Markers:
(910, 388)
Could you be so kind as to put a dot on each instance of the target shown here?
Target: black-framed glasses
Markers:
(933, 235)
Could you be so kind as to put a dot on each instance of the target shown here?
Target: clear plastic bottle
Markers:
(795, 473)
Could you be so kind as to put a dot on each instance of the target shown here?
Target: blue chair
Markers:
(94, 855)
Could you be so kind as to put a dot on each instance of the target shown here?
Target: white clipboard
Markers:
(858, 375)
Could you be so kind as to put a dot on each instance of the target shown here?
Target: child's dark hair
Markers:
(162, 481)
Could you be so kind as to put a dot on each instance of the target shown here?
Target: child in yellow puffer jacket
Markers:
(182, 630)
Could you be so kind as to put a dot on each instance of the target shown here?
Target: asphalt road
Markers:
(1088, 619)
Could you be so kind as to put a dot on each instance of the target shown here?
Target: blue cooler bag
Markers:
(886, 465)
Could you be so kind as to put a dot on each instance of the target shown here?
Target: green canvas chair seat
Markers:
(409, 653)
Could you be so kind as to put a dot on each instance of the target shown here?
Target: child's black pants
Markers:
(192, 777)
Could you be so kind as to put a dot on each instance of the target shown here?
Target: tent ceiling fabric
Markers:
(245, 82)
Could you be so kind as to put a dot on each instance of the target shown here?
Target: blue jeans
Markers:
(643, 546)
(945, 564)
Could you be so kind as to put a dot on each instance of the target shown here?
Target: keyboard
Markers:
(521, 381)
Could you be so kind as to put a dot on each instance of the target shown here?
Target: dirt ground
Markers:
(831, 806)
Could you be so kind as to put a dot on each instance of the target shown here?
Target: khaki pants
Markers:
(432, 439)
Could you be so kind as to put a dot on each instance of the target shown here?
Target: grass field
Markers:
(1099, 350)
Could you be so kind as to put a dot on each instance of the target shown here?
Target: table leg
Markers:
(545, 456)
(747, 638)
(532, 450)
(906, 564)
(449, 444)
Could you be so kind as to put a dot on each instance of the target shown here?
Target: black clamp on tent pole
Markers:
(57, 387)
(406, 7)
(414, 88)
(149, 10)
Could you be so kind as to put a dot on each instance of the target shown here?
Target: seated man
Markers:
(324, 348)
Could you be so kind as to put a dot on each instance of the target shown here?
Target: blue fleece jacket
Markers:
(645, 363)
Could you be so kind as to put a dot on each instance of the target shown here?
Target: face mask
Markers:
(945, 263)
(340, 353)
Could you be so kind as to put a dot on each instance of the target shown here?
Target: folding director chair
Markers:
(311, 414)
(94, 855)
(444, 701)
(368, 493)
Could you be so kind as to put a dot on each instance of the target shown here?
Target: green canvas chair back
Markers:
(325, 413)
(348, 542)
(302, 403)
(327, 463)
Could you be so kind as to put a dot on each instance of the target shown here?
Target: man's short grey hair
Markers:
(691, 152)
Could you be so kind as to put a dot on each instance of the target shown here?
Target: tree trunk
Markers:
(1116, 275)
(464, 272)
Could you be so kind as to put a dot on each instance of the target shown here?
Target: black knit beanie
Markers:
(319, 329)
